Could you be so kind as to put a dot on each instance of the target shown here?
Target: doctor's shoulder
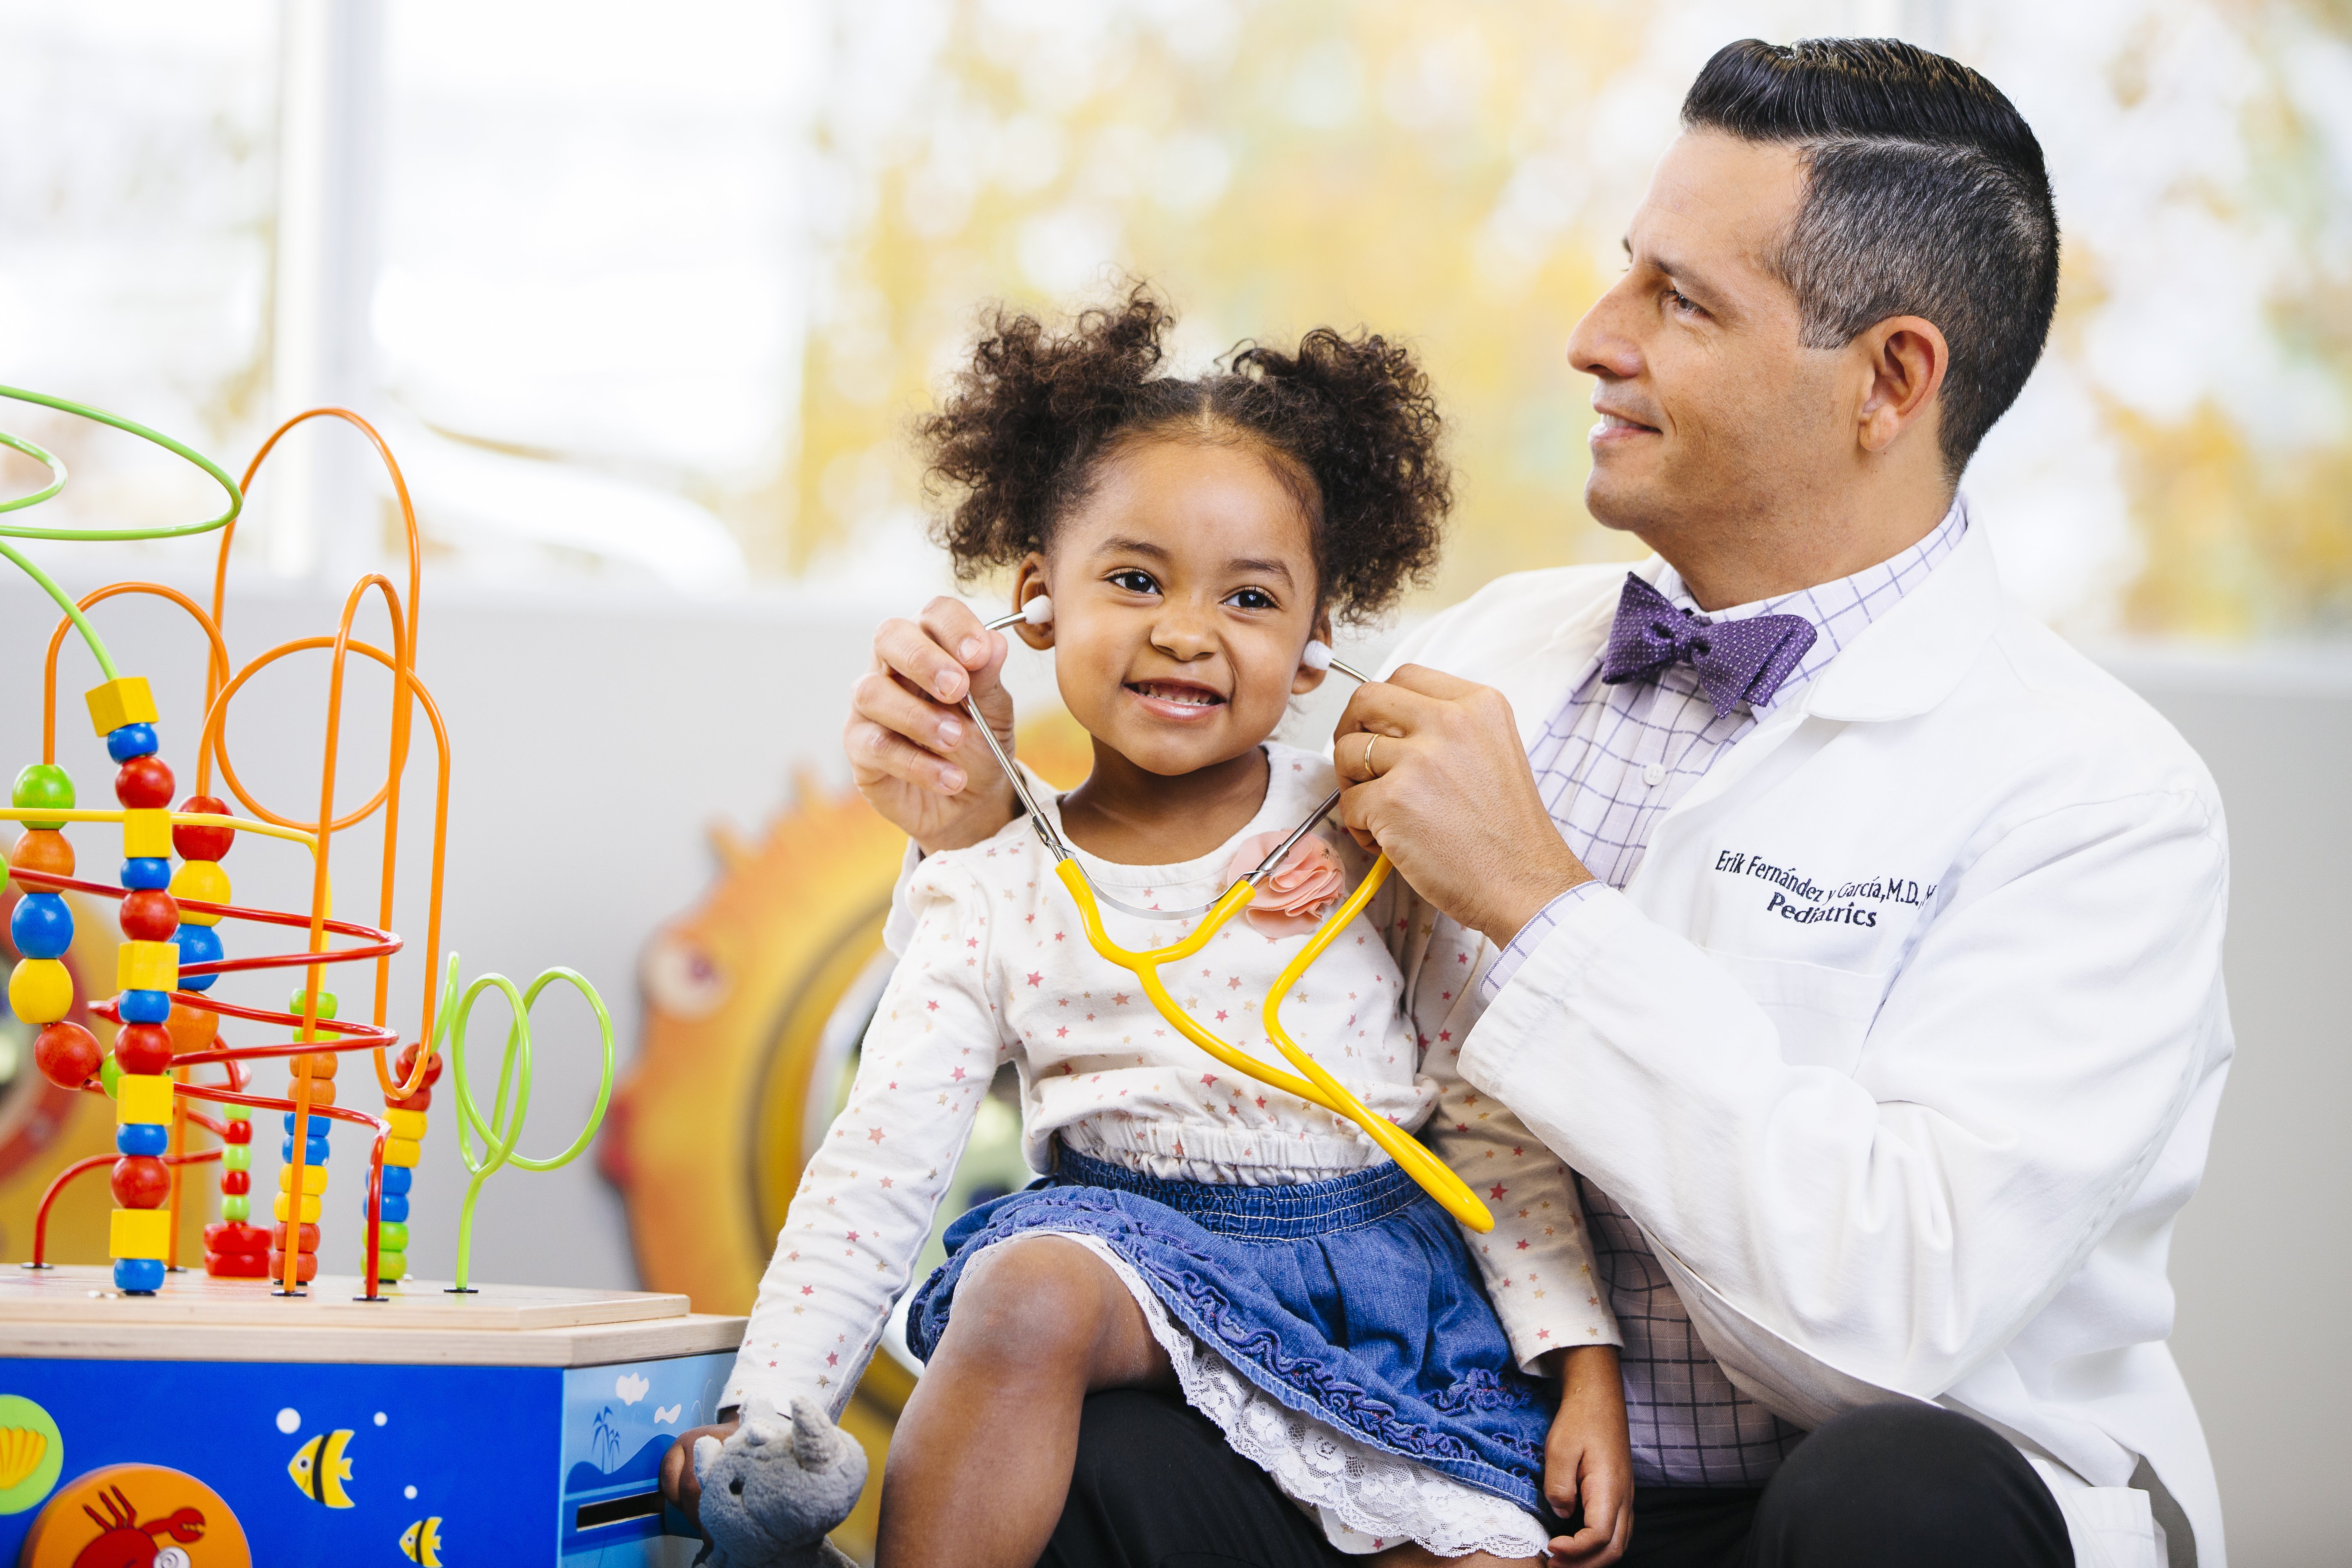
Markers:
(2054, 698)
(1515, 614)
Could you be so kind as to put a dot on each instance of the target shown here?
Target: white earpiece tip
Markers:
(1318, 654)
(1039, 611)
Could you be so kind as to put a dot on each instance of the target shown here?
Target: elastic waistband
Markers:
(1266, 1213)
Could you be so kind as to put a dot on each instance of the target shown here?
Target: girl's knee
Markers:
(1040, 1296)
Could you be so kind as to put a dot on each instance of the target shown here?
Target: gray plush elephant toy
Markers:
(772, 1491)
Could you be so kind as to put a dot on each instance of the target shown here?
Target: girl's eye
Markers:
(1134, 581)
(1251, 599)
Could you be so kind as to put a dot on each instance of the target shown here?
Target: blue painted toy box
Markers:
(216, 1425)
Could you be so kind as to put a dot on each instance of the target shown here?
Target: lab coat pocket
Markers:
(1823, 1014)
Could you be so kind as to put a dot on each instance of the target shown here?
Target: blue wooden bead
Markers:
(395, 1204)
(314, 1150)
(144, 1006)
(139, 1276)
(130, 741)
(42, 926)
(141, 1138)
(198, 945)
(396, 1179)
(147, 871)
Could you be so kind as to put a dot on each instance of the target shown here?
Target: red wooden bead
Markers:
(236, 1184)
(408, 1065)
(308, 1241)
(141, 1182)
(238, 1133)
(306, 1267)
(421, 1100)
(46, 851)
(149, 914)
(143, 1047)
(143, 783)
(203, 843)
(238, 1265)
(67, 1053)
(233, 1236)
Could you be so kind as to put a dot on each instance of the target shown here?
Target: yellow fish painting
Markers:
(421, 1543)
(321, 1468)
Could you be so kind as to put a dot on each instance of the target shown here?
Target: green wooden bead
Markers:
(109, 1073)
(43, 784)
(237, 1157)
(302, 994)
(236, 1208)
(391, 1266)
(392, 1237)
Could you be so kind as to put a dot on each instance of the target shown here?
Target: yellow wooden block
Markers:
(139, 1233)
(147, 834)
(406, 1124)
(147, 966)
(310, 1210)
(314, 1178)
(122, 701)
(401, 1152)
(143, 1097)
(205, 882)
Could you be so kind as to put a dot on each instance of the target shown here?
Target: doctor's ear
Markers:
(1029, 596)
(1315, 663)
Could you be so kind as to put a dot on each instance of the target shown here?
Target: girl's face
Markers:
(1184, 593)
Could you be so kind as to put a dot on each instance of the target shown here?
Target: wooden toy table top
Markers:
(74, 1311)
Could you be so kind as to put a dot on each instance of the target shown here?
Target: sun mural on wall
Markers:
(755, 1001)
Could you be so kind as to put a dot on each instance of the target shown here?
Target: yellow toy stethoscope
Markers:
(1317, 1087)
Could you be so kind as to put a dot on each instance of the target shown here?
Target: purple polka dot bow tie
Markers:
(1736, 661)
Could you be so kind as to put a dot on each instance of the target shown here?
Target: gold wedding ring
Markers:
(1369, 741)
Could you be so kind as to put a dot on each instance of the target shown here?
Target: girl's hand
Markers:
(913, 749)
(1589, 1459)
(677, 1479)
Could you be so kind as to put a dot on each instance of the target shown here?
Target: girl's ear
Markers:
(1310, 675)
(1029, 582)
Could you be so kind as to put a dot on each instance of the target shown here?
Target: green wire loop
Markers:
(499, 1132)
(17, 531)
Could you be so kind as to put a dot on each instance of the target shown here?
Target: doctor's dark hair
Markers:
(1926, 195)
(1347, 423)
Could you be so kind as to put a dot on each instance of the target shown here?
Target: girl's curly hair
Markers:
(1348, 422)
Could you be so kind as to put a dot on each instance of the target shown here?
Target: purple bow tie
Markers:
(1737, 661)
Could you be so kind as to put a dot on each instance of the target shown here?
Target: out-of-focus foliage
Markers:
(1458, 176)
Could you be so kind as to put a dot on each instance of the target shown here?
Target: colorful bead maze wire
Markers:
(172, 951)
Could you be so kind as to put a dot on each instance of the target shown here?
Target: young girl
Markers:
(1196, 1230)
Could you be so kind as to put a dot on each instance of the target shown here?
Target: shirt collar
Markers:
(1839, 611)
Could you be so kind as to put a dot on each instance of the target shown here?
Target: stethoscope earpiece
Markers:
(1038, 611)
(1318, 654)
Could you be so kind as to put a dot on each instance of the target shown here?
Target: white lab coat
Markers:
(1904, 1044)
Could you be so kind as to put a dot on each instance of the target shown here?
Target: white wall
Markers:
(596, 739)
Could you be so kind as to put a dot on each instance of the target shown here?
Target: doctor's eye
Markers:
(1134, 580)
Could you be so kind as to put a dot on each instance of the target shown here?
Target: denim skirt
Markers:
(1354, 1301)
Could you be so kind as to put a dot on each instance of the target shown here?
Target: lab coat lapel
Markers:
(1538, 682)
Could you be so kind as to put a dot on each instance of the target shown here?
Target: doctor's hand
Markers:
(1437, 779)
(1588, 1461)
(912, 748)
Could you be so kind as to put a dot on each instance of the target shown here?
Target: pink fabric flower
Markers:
(1304, 887)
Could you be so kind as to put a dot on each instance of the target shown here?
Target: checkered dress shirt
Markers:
(1610, 764)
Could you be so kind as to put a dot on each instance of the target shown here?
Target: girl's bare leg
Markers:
(980, 1464)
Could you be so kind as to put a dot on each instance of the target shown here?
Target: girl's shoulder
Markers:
(1303, 772)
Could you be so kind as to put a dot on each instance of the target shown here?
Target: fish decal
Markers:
(421, 1543)
(322, 1466)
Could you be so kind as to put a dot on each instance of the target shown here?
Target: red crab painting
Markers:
(124, 1542)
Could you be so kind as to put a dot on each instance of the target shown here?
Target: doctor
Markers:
(1855, 941)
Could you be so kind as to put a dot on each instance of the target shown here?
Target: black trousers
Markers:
(1156, 1487)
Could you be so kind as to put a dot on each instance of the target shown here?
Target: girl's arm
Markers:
(1538, 1261)
(866, 1199)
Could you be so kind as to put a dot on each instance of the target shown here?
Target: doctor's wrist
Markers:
(1510, 907)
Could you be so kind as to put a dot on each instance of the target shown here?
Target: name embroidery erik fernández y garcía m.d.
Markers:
(1798, 898)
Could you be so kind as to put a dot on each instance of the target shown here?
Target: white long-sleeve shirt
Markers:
(995, 967)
